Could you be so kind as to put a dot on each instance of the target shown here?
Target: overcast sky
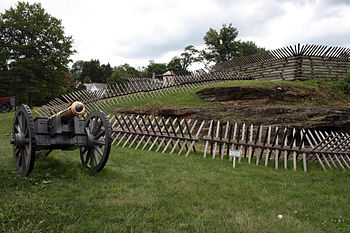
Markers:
(136, 31)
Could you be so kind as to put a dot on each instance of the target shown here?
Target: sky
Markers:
(137, 31)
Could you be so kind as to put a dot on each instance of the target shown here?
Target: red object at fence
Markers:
(5, 99)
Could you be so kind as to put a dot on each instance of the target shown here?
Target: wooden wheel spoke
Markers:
(99, 150)
(17, 128)
(17, 150)
(20, 122)
(100, 134)
(91, 157)
(19, 161)
(97, 126)
(88, 155)
(83, 150)
(87, 129)
(27, 150)
(100, 142)
(26, 154)
(23, 161)
(26, 132)
(97, 159)
(92, 124)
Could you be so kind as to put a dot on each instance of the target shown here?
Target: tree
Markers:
(176, 66)
(247, 48)
(116, 77)
(190, 56)
(93, 70)
(34, 53)
(98, 73)
(123, 71)
(87, 79)
(157, 68)
(77, 70)
(224, 46)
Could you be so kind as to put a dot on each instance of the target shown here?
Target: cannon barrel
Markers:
(77, 108)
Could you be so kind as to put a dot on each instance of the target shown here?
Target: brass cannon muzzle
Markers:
(76, 109)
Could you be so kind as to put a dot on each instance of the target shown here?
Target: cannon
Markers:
(65, 130)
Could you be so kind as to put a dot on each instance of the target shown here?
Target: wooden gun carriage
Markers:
(65, 130)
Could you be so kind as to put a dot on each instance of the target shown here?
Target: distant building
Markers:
(168, 78)
(95, 87)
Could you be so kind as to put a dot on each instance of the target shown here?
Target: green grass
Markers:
(329, 92)
(142, 191)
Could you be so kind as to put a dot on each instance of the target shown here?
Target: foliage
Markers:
(123, 71)
(221, 46)
(156, 68)
(224, 46)
(98, 73)
(87, 79)
(77, 70)
(176, 66)
(247, 48)
(34, 53)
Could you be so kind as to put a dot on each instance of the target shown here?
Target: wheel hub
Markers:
(20, 140)
(91, 140)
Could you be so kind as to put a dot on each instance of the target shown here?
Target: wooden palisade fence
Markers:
(283, 146)
(297, 62)
(134, 89)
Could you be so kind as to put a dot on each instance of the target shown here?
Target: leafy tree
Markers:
(77, 70)
(224, 46)
(176, 66)
(87, 79)
(129, 71)
(157, 68)
(247, 48)
(93, 70)
(107, 71)
(98, 73)
(34, 53)
(190, 56)
(116, 77)
(123, 71)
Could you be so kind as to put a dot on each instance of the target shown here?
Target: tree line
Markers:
(35, 52)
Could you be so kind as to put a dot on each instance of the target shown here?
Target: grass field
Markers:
(142, 191)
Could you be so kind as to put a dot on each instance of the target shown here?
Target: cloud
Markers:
(137, 31)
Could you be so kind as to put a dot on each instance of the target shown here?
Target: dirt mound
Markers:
(269, 94)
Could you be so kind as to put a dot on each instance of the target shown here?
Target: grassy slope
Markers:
(330, 93)
(146, 191)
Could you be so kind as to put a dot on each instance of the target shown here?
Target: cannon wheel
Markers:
(23, 140)
(98, 130)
